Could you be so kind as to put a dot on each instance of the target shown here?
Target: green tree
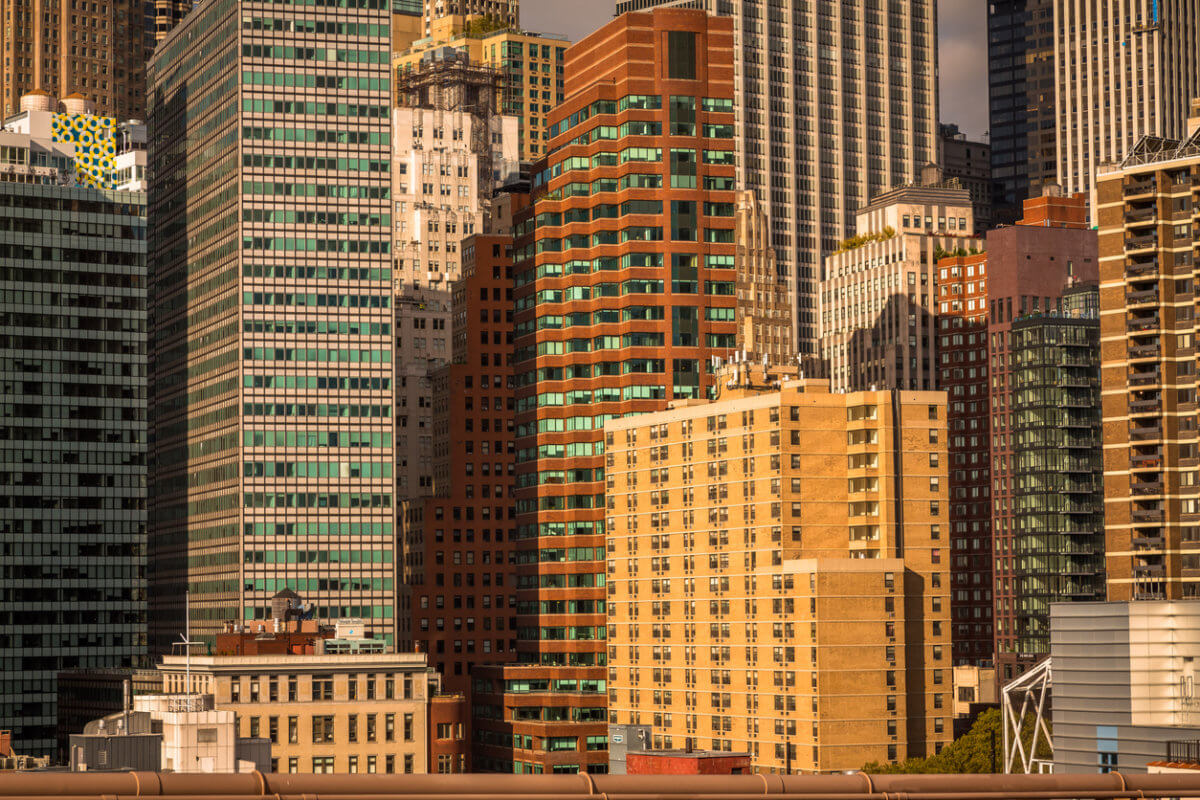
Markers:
(969, 753)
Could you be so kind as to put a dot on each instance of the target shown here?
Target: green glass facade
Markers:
(1059, 495)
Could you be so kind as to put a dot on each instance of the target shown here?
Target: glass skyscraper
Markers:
(271, 301)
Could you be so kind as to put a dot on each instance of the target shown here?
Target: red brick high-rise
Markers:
(625, 287)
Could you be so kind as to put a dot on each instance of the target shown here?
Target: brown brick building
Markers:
(624, 289)
(1145, 209)
(458, 572)
(778, 573)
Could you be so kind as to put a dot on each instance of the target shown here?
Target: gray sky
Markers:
(962, 44)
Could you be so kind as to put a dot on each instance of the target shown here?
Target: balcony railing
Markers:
(1146, 242)
(1144, 214)
(1152, 406)
(1142, 297)
(1144, 350)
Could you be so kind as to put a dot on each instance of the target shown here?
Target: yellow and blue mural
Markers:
(95, 146)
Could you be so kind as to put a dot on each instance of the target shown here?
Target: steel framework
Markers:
(1032, 691)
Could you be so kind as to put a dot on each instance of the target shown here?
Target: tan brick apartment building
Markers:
(1146, 208)
(778, 573)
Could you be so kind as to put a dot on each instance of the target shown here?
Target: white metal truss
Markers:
(1032, 691)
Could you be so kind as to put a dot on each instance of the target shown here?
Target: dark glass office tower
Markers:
(72, 440)
(1021, 97)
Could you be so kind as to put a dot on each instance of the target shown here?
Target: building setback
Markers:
(835, 106)
(507, 11)
(610, 320)
(1121, 71)
(879, 294)
(970, 163)
(530, 64)
(1021, 129)
(458, 557)
(73, 392)
(449, 149)
(778, 578)
(271, 296)
(1145, 213)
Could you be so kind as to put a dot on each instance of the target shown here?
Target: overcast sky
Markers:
(962, 42)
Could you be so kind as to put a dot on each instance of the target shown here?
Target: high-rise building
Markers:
(1058, 509)
(1148, 377)
(458, 540)
(778, 575)
(96, 50)
(73, 452)
(879, 294)
(625, 287)
(449, 149)
(530, 64)
(971, 163)
(1025, 270)
(505, 11)
(766, 300)
(1021, 117)
(1121, 71)
(272, 413)
(163, 15)
(835, 104)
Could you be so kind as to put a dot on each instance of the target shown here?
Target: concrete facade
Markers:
(1124, 682)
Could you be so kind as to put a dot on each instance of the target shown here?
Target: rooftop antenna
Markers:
(187, 642)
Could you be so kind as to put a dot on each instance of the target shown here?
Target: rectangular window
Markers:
(681, 55)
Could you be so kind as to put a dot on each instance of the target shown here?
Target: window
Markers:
(293, 730)
(322, 764)
(681, 55)
(389, 727)
(322, 728)
(408, 727)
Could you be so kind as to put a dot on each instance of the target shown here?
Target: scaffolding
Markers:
(446, 80)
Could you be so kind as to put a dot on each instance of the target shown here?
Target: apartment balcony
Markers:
(1148, 514)
(1153, 487)
(1078, 465)
(1136, 186)
(1081, 487)
(1140, 215)
(1069, 380)
(1148, 541)
(1139, 376)
(1149, 570)
(1145, 432)
(1080, 442)
(1142, 297)
(1138, 351)
(1150, 405)
(1143, 266)
(1147, 241)
(1148, 459)
(1142, 322)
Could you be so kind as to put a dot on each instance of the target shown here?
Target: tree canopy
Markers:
(969, 753)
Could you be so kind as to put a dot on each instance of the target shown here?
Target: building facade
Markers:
(969, 162)
(778, 577)
(450, 149)
(271, 294)
(73, 458)
(1147, 666)
(1121, 71)
(460, 599)
(1148, 376)
(530, 64)
(624, 286)
(1021, 95)
(1058, 497)
(766, 301)
(879, 294)
(506, 11)
(352, 713)
(803, 143)
(1025, 270)
(96, 51)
